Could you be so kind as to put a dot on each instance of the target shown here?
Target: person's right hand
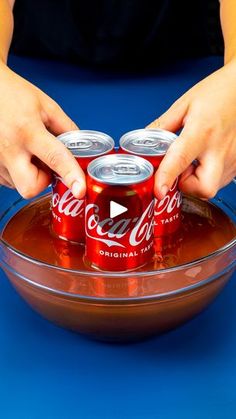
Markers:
(29, 119)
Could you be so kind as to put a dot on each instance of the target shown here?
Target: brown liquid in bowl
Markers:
(205, 228)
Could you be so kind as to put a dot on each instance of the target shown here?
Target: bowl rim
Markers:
(121, 300)
(123, 275)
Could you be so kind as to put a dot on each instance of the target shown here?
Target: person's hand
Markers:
(28, 148)
(207, 113)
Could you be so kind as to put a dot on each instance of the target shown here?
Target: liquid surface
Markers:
(205, 228)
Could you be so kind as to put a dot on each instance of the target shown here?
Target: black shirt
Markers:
(118, 33)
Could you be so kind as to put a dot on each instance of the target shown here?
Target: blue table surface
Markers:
(48, 372)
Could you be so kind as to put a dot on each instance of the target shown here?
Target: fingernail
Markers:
(76, 189)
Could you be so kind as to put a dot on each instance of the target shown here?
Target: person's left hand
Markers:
(207, 113)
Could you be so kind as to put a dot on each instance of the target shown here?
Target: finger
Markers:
(206, 179)
(5, 177)
(56, 156)
(188, 172)
(40, 165)
(28, 179)
(173, 118)
(55, 119)
(179, 156)
(4, 182)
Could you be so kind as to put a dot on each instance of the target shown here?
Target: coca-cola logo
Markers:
(111, 232)
(170, 202)
(66, 203)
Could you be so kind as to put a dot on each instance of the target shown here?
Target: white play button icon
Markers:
(116, 209)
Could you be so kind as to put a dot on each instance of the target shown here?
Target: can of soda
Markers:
(152, 144)
(67, 254)
(68, 211)
(86, 145)
(167, 250)
(119, 213)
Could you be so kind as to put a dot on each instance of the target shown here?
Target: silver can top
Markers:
(147, 142)
(86, 143)
(120, 169)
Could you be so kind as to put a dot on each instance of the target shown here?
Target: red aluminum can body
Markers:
(68, 212)
(167, 250)
(152, 145)
(167, 212)
(68, 254)
(124, 241)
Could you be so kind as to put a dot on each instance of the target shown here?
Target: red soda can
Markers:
(68, 254)
(152, 144)
(167, 250)
(119, 213)
(68, 211)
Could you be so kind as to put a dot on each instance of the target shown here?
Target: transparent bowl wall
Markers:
(66, 297)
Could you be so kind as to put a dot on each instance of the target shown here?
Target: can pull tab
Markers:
(146, 142)
(126, 169)
(80, 144)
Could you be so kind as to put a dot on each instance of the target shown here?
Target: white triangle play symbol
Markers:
(116, 209)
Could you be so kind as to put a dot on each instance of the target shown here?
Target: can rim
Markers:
(137, 159)
(143, 130)
(95, 134)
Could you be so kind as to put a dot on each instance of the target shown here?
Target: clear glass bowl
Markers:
(148, 309)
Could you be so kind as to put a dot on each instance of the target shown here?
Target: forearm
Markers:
(6, 28)
(228, 19)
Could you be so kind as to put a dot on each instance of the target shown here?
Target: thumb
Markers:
(173, 118)
(204, 180)
(58, 158)
(182, 152)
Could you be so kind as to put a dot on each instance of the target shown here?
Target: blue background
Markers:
(47, 372)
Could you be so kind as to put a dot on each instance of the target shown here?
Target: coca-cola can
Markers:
(167, 250)
(119, 213)
(152, 144)
(68, 211)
